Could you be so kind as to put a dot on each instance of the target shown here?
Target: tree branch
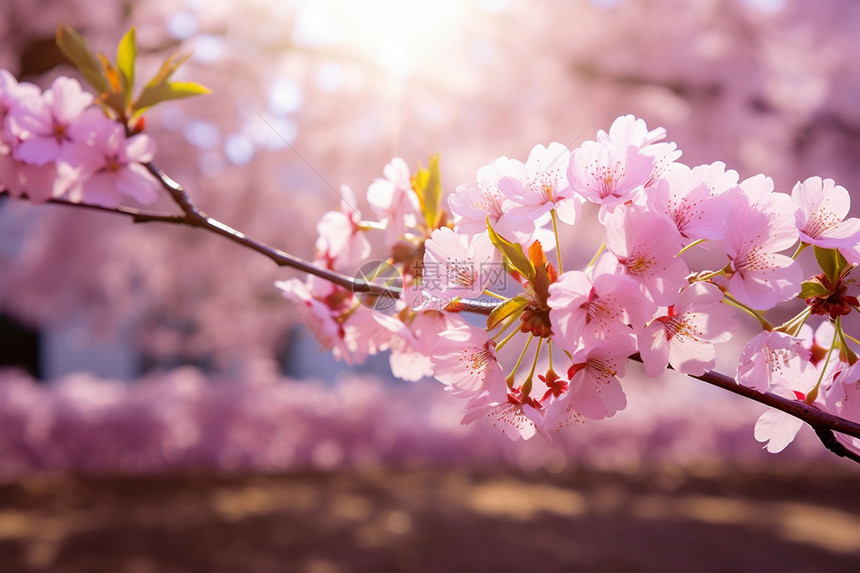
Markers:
(813, 416)
(824, 423)
(193, 217)
(137, 215)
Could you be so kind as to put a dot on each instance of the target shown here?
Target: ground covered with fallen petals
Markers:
(434, 519)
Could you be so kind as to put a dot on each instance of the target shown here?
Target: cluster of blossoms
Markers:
(640, 296)
(57, 144)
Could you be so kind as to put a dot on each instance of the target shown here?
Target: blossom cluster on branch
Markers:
(641, 293)
(650, 292)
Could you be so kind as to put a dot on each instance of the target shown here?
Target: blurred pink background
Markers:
(311, 95)
(175, 418)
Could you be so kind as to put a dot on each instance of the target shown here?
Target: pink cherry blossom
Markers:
(12, 94)
(760, 224)
(44, 124)
(785, 366)
(465, 361)
(664, 155)
(772, 358)
(608, 175)
(646, 246)
(336, 319)
(411, 357)
(101, 164)
(393, 200)
(628, 130)
(598, 306)
(685, 335)
(821, 217)
(594, 391)
(821, 340)
(457, 266)
(366, 332)
(843, 399)
(719, 180)
(688, 201)
(777, 428)
(20, 179)
(516, 412)
(341, 240)
(318, 316)
(542, 186)
(472, 204)
(37, 182)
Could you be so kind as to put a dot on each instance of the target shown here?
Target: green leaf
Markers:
(160, 88)
(832, 263)
(812, 289)
(507, 309)
(125, 56)
(513, 252)
(169, 67)
(76, 49)
(427, 185)
(158, 93)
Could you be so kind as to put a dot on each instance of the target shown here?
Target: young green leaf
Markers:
(505, 310)
(427, 185)
(125, 56)
(827, 262)
(160, 88)
(832, 263)
(513, 252)
(812, 289)
(158, 93)
(76, 49)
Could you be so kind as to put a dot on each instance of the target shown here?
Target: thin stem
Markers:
(557, 244)
(732, 301)
(713, 274)
(501, 344)
(799, 250)
(845, 352)
(505, 327)
(793, 325)
(690, 246)
(512, 375)
(596, 255)
(488, 292)
(813, 394)
(527, 385)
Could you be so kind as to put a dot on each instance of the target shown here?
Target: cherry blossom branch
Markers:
(810, 414)
(137, 215)
(823, 423)
(194, 217)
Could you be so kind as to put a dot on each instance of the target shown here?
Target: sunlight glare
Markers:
(399, 36)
